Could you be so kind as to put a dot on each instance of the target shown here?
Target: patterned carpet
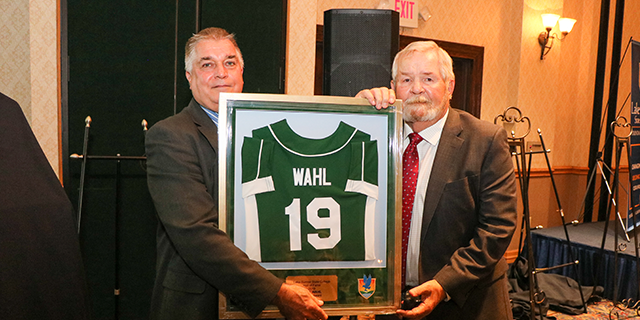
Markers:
(600, 310)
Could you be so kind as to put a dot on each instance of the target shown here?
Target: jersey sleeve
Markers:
(256, 166)
(363, 178)
(256, 178)
(363, 168)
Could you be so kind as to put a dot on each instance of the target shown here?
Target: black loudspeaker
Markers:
(359, 47)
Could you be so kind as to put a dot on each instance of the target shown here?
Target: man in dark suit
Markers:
(195, 258)
(461, 205)
(41, 271)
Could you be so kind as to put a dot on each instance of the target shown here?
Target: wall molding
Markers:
(567, 170)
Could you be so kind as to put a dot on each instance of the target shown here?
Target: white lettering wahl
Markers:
(310, 177)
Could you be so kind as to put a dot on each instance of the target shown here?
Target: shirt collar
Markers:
(212, 114)
(431, 134)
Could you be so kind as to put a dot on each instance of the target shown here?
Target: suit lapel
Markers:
(204, 124)
(448, 151)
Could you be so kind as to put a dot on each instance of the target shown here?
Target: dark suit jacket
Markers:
(41, 272)
(195, 258)
(469, 219)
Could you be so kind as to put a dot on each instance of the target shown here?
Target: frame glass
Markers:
(310, 187)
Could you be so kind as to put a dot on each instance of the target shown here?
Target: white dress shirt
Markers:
(426, 154)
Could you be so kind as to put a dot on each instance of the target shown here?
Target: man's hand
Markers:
(431, 292)
(379, 97)
(297, 303)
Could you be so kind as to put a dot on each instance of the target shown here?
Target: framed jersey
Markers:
(309, 188)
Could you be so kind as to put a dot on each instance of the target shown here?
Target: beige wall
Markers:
(14, 52)
(301, 44)
(555, 93)
(28, 67)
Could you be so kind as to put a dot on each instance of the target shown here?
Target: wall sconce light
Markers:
(549, 21)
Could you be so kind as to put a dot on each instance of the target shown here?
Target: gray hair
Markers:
(444, 60)
(208, 34)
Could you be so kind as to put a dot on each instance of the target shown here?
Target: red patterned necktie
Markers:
(410, 168)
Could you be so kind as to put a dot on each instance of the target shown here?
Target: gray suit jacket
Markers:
(195, 258)
(469, 219)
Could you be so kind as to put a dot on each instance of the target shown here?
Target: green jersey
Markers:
(309, 199)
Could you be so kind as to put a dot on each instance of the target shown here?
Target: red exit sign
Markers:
(408, 10)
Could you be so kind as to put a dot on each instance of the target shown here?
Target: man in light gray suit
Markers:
(462, 212)
(195, 258)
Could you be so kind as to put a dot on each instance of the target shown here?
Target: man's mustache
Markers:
(417, 99)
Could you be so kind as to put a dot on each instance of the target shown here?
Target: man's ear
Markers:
(188, 75)
(392, 86)
(450, 87)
